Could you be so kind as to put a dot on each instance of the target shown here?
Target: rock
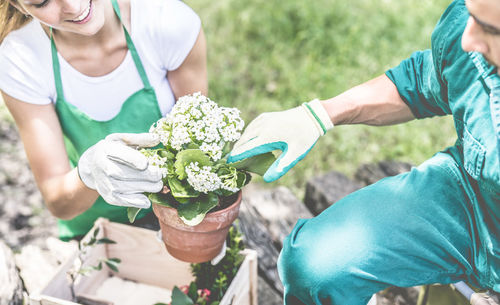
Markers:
(11, 289)
(257, 237)
(323, 191)
(267, 216)
(36, 267)
(267, 295)
(398, 296)
(279, 209)
(371, 173)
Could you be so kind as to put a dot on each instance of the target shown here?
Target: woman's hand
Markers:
(119, 172)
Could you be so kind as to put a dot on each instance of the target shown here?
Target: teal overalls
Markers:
(438, 223)
(80, 132)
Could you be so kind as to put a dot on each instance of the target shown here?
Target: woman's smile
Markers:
(85, 16)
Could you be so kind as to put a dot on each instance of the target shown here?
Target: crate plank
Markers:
(139, 251)
(144, 258)
(242, 290)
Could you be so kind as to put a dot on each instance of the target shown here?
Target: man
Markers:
(438, 223)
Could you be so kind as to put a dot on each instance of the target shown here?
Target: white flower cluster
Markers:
(204, 180)
(156, 160)
(197, 119)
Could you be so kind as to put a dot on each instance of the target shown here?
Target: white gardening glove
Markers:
(293, 131)
(482, 299)
(119, 172)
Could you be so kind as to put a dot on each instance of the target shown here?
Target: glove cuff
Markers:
(317, 110)
(84, 172)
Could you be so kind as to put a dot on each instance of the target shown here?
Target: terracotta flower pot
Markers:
(200, 243)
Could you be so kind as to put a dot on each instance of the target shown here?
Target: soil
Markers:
(25, 219)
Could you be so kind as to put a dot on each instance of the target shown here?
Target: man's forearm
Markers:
(376, 102)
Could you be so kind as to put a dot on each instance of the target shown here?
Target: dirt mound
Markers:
(25, 219)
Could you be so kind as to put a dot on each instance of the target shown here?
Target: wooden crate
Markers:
(144, 260)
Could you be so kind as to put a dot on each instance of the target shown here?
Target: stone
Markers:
(267, 295)
(36, 267)
(279, 209)
(371, 173)
(11, 288)
(325, 190)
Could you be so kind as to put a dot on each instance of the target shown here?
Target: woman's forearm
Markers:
(66, 196)
(376, 102)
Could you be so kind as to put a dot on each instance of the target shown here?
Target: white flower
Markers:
(159, 162)
(202, 179)
(213, 150)
(197, 119)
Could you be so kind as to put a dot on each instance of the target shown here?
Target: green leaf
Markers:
(194, 212)
(193, 291)
(85, 271)
(188, 156)
(98, 267)
(179, 298)
(132, 213)
(257, 164)
(166, 154)
(91, 242)
(243, 179)
(105, 241)
(162, 199)
(116, 260)
(181, 190)
(227, 148)
(96, 231)
(192, 145)
(112, 265)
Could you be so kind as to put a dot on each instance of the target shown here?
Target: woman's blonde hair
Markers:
(10, 18)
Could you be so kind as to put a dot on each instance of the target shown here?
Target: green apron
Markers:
(80, 132)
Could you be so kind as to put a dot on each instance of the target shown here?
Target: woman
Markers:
(84, 79)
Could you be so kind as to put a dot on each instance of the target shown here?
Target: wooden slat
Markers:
(242, 290)
(144, 258)
(252, 258)
(239, 286)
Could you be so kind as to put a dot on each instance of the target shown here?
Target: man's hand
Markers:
(293, 131)
(120, 173)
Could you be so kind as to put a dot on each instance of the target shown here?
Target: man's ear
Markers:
(19, 7)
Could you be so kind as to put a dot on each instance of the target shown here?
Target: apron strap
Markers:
(131, 47)
(56, 67)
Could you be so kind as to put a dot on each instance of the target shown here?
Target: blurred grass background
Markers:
(269, 55)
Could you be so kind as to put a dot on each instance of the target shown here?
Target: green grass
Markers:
(268, 55)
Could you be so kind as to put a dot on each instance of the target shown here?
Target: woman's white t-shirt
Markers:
(163, 31)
